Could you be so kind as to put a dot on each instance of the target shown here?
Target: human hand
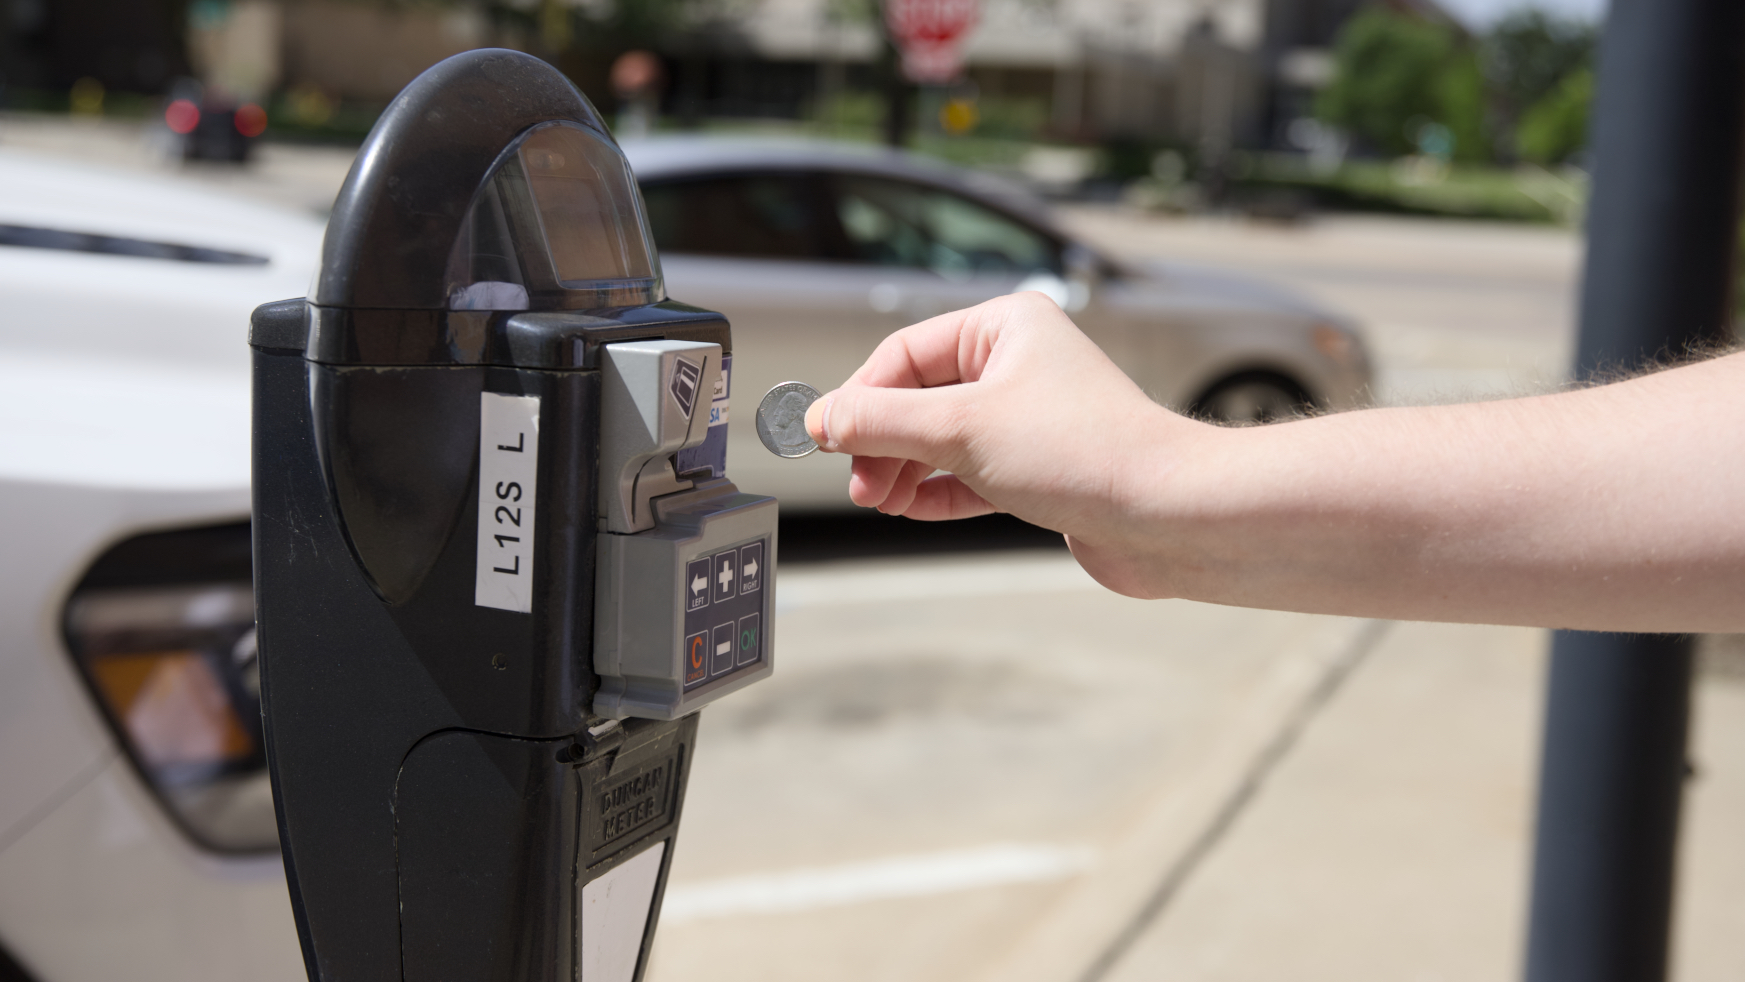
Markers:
(1024, 413)
(1502, 512)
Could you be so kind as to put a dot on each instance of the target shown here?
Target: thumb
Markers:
(928, 425)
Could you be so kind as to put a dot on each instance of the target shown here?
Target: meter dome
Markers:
(490, 183)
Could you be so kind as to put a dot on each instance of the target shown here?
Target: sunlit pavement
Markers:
(986, 767)
(962, 756)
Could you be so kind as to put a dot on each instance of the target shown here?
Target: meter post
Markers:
(498, 563)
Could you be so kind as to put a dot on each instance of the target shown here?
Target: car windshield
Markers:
(895, 223)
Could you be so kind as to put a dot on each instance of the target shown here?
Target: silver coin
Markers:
(781, 419)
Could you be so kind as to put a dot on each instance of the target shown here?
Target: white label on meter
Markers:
(615, 911)
(508, 477)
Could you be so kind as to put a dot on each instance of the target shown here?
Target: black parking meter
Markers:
(498, 565)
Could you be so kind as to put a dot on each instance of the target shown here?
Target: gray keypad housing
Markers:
(658, 643)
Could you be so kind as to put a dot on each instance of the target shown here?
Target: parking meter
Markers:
(498, 564)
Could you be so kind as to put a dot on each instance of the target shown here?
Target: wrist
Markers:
(1159, 492)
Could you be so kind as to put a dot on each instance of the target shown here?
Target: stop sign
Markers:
(930, 34)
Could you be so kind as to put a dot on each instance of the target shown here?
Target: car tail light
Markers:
(1336, 344)
(181, 116)
(250, 120)
(162, 629)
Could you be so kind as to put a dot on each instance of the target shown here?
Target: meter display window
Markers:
(587, 206)
(560, 219)
(753, 216)
(896, 223)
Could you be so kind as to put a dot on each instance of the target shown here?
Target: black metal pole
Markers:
(1608, 807)
(1661, 229)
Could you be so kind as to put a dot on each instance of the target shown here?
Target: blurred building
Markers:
(1200, 74)
(365, 50)
(368, 51)
(1162, 69)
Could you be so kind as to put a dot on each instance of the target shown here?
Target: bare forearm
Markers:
(1614, 508)
(1619, 507)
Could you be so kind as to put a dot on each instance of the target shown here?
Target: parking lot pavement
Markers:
(1394, 840)
(960, 754)
(987, 768)
(1710, 925)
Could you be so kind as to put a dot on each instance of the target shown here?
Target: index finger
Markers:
(938, 351)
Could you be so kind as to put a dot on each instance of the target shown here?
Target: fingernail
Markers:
(824, 422)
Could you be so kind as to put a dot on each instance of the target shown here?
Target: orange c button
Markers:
(697, 651)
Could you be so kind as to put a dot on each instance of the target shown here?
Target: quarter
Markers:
(781, 419)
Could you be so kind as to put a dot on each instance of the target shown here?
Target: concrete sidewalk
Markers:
(1394, 841)
(1020, 777)
(964, 758)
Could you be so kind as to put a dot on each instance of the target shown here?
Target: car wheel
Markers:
(1253, 398)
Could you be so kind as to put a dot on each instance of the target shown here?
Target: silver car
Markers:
(817, 251)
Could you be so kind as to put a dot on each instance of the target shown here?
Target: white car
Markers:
(137, 837)
(818, 251)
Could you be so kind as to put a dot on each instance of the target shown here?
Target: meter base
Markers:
(524, 860)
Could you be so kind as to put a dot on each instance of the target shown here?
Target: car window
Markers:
(895, 223)
(767, 216)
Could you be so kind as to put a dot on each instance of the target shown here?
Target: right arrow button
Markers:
(751, 568)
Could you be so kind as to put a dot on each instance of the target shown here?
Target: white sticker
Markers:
(615, 911)
(508, 478)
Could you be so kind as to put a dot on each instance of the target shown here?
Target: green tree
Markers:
(1397, 77)
(1527, 56)
(1460, 96)
(1555, 128)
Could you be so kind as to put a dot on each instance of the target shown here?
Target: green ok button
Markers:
(750, 638)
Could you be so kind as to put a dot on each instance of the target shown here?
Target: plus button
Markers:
(726, 575)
